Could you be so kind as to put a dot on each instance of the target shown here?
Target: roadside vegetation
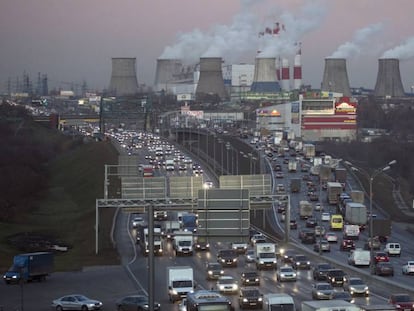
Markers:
(48, 189)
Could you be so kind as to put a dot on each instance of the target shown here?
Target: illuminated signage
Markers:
(267, 113)
(344, 107)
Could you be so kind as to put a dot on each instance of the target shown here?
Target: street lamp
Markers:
(371, 178)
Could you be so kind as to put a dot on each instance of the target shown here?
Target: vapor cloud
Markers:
(402, 51)
(359, 41)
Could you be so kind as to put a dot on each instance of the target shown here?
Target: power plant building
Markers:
(389, 79)
(124, 80)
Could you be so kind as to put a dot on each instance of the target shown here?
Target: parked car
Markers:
(320, 270)
(76, 302)
(322, 290)
(408, 267)
(384, 269)
(135, 302)
(401, 302)
(286, 273)
(250, 278)
(356, 286)
(250, 297)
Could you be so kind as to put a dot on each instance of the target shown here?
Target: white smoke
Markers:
(359, 41)
(242, 36)
(403, 51)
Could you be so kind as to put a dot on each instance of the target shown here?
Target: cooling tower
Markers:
(211, 80)
(389, 78)
(335, 76)
(124, 77)
(265, 78)
(165, 73)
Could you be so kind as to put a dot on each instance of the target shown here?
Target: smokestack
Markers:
(124, 77)
(297, 71)
(389, 78)
(285, 75)
(335, 76)
(211, 79)
(165, 73)
(265, 79)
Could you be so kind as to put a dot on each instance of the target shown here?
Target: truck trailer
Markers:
(328, 305)
(30, 266)
(295, 185)
(334, 189)
(305, 209)
(355, 213)
(265, 256)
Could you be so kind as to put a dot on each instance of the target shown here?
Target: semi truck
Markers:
(295, 185)
(278, 301)
(381, 228)
(356, 213)
(189, 222)
(340, 175)
(183, 243)
(265, 256)
(180, 282)
(324, 173)
(305, 209)
(328, 305)
(30, 266)
(334, 189)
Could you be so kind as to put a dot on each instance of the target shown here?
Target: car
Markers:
(319, 230)
(325, 216)
(301, 261)
(287, 256)
(320, 271)
(384, 269)
(182, 306)
(257, 237)
(375, 243)
(393, 249)
(342, 295)
(250, 255)
(281, 206)
(250, 278)
(314, 197)
(322, 290)
(214, 270)
(135, 302)
(227, 257)
(322, 245)
(293, 224)
(279, 174)
(401, 302)
(227, 284)
(76, 302)
(408, 267)
(307, 236)
(239, 247)
(250, 297)
(347, 245)
(336, 277)
(331, 237)
(138, 221)
(286, 273)
(311, 222)
(356, 286)
(381, 257)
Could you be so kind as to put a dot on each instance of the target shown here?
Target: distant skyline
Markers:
(74, 40)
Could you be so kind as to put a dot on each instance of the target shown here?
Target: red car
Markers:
(347, 245)
(401, 302)
(381, 257)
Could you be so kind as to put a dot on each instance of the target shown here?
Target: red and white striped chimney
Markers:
(297, 70)
(285, 83)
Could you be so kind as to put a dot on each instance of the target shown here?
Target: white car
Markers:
(408, 268)
(227, 284)
(393, 249)
(331, 237)
(138, 221)
(325, 216)
(76, 302)
(286, 273)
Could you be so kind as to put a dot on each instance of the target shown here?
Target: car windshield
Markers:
(324, 287)
(226, 281)
(286, 269)
(325, 266)
(301, 258)
(251, 293)
(402, 298)
(336, 272)
(356, 282)
(249, 274)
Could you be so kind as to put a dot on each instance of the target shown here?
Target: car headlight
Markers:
(308, 262)
(294, 274)
(234, 259)
(260, 299)
(298, 263)
(366, 288)
(245, 300)
(210, 272)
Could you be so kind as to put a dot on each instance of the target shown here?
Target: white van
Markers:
(359, 257)
(393, 249)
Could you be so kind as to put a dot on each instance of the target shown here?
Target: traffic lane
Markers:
(104, 283)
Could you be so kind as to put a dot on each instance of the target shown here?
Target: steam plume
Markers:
(403, 51)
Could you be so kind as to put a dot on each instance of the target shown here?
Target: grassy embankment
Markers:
(68, 210)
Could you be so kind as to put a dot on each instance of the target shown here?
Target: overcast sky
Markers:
(74, 40)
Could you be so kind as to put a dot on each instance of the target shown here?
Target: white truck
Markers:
(169, 165)
(292, 165)
(266, 256)
(144, 240)
(180, 282)
(171, 226)
(309, 151)
(359, 257)
(183, 243)
(334, 189)
(351, 232)
(356, 213)
(328, 305)
(280, 301)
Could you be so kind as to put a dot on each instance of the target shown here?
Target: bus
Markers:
(205, 300)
